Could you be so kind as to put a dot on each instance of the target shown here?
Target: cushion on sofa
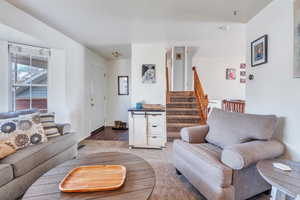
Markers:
(6, 150)
(6, 174)
(27, 112)
(205, 159)
(229, 128)
(30, 157)
(22, 131)
(48, 122)
(8, 115)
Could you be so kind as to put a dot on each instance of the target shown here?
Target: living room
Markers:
(75, 67)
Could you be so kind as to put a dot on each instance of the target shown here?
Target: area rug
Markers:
(169, 186)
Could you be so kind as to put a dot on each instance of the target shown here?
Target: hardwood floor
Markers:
(169, 185)
(109, 134)
(116, 135)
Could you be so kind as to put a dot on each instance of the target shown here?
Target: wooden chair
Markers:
(233, 106)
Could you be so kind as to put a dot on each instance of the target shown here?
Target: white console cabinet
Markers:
(147, 129)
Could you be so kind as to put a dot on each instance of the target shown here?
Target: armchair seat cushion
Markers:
(229, 128)
(205, 159)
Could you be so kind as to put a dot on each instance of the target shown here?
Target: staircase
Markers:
(182, 111)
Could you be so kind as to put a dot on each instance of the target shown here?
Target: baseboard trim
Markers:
(97, 130)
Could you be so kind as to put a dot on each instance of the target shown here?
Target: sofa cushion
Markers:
(22, 131)
(30, 157)
(48, 121)
(8, 115)
(229, 128)
(205, 159)
(6, 150)
(27, 112)
(6, 174)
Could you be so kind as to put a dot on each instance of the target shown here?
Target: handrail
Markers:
(201, 97)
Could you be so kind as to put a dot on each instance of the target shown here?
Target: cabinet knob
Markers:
(154, 137)
(154, 126)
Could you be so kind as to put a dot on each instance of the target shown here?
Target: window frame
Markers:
(12, 81)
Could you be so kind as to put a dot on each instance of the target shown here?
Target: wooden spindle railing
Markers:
(202, 98)
(233, 105)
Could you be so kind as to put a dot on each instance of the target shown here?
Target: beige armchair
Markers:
(219, 159)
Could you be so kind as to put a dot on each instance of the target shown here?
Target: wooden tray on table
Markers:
(94, 178)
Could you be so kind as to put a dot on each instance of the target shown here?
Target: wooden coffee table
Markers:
(283, 182)
(139, 183)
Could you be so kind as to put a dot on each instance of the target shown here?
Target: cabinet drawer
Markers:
(157, 133)
(155, 141)
(155, 119)
(155, 128)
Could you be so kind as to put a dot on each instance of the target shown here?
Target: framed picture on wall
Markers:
(123, 85)
(259, 51)
(149, 73)
(230, 74)
(297, 39)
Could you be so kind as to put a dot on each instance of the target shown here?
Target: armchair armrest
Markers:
(240, 156)
(195, 134)
(63, 128)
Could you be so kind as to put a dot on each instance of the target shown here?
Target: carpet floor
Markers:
(169, 186)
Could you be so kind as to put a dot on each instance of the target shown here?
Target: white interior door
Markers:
(97, 95)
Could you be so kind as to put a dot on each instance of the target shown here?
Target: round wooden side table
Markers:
(139, 183)
(283, 182)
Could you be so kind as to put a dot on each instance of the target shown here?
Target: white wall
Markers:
(117, 106)
(57, 92)
(274, 90)
(72, 109)
(213, 54)
(148, 54)
(4, 77)
(213, 57)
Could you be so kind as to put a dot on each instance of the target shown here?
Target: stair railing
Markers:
(202, 98)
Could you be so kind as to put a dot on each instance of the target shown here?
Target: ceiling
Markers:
(9, 34)
(105, 25)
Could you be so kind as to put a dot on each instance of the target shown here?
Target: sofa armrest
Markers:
(63, 128)
(195, 134)
(240, 156)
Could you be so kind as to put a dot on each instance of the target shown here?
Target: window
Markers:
(29, 77)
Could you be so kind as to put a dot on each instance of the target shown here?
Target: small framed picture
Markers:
(148, 74)
(243, 73)
(259, 51)
(231, 74)
(243, 66)
(178, 56)
(242, 80)
(123, 85)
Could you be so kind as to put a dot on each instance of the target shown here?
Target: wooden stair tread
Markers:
(182, 109)
(183, 117)
(174, 103)
(182, 124)
(183, 96)
(174, 134)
